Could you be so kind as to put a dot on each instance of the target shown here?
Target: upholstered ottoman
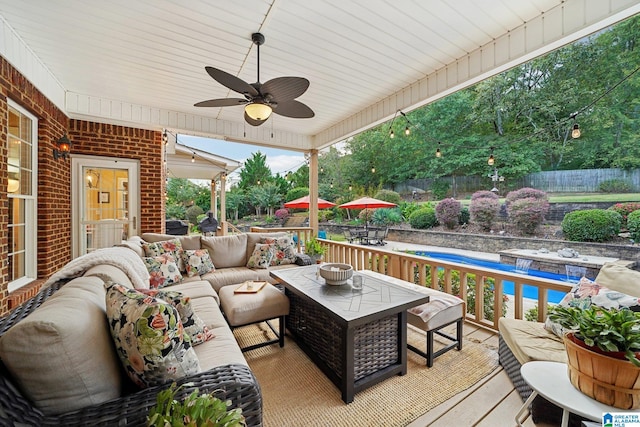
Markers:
(241, 309)
(442, 310)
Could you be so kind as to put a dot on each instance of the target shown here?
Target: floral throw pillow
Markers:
(283, 250)
(163, 270)
(193, 325)
(261, 256)
(172, 247)
(586, 293)
(149, 337)
(197, 262)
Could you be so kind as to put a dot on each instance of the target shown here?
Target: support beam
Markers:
(223, 202)
(313, 191)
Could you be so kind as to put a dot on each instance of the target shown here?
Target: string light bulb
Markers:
(165, 137)
(350, 187)
(575, 133)
(193, 158)
(407, 131)
(391, 134)
(491, 159)
(373, 169)
(438, 152)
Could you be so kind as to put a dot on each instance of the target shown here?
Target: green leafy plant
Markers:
(608, 329)
(633, 223)
(423, 218)
(195, 410)
(591, 225)
(314, 247)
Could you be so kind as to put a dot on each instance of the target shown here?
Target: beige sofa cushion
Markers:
(235, 275)
(62, 354)
(188, 242)
(226, 251)
(110, 272)
(619, 278)
(531, 341)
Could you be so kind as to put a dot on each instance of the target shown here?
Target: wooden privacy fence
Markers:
(482, 288)
(564, 181)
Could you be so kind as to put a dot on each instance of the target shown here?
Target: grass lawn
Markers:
(583, 197)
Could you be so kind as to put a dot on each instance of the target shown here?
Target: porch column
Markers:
(223, 203)
(214, 198)
(313, 191)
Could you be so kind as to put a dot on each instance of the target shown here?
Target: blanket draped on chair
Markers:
(129, 263)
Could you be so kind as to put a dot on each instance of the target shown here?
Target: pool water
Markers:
(508, 286)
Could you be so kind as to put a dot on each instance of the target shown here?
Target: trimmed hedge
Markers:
(633, 224)
(591, 225)
(625, 209)
(423, 218)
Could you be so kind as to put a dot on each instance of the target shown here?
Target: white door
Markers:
(105, 199)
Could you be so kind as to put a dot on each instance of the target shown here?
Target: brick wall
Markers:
(54, 176)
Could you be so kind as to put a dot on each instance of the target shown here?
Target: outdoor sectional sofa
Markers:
(59, 363)
(522, 341)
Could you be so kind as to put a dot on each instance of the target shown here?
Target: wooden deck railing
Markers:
(481, 287)
(301, 234)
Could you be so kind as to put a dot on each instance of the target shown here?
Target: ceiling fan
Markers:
(260, 100)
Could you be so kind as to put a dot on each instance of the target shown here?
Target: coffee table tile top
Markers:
(343, 300)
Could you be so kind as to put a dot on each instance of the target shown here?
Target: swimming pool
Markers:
(508, 286)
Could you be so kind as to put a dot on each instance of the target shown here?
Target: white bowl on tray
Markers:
(336, 274)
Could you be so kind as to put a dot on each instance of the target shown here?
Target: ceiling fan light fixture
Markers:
(258, 111)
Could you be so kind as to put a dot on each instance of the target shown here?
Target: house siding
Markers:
(54, 176)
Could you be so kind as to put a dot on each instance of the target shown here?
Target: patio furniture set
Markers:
(367, 236)
(42, 384)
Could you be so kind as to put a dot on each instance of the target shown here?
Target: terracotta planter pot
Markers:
(609, 380)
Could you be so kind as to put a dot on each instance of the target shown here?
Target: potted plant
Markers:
(603, 349)
(602, 330)
(314, 248)
(195, 410)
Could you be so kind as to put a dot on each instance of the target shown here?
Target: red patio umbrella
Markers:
(367, 203)
(303, 203)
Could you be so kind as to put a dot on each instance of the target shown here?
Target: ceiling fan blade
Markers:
(232, 82)
(295, 109)
(253, 122)
(283, 89)
(223, 102)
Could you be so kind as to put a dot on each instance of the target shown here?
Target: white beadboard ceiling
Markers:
(141, 62)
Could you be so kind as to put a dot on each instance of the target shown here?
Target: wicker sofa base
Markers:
(228, 382)
(542, 411)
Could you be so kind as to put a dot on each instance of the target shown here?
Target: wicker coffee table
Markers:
(357, 338)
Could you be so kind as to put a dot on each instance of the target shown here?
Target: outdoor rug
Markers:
(296, 393)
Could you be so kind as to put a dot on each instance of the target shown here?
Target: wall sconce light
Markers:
(575, 133)
(63, 148)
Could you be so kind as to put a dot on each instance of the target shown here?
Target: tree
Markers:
(272, 198)
(235, 200)
(254, 172)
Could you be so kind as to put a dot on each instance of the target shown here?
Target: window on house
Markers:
(21, 191)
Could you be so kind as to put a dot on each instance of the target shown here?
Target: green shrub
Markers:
(175, 212)
(484, 211)
(625, 209)
(448, 212)
(407, 208)
(423, 218)
(615, 186)
(465, 216)
(296, 193)
(591, 225)
(388, 196)
(192, 214)
(439, 189)
(527, 214)
(633, 224)
(387, 216)
(532, 314)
